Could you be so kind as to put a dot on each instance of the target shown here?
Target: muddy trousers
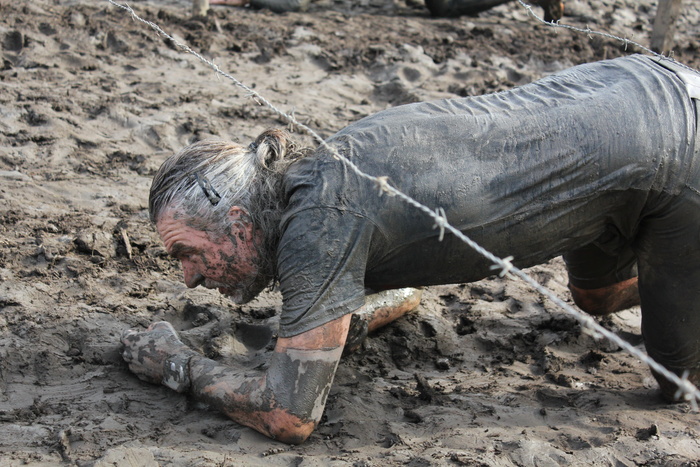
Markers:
(668, 252)
(665, 255)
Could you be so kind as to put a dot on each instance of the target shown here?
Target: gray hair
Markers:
(204, 180)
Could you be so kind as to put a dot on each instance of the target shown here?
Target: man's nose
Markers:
(192, 278)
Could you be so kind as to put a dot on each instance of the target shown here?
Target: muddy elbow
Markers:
(284, 426)
(292, 433)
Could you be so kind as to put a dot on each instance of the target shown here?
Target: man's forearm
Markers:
(243, 398)
(285, 403)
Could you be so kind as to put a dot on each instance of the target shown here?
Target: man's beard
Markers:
(240, 294)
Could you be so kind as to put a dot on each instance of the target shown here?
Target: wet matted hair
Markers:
(204, 180)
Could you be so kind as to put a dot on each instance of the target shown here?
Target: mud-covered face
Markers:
(227, 262)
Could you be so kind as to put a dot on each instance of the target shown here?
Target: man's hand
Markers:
(284, 402)
(158, 356)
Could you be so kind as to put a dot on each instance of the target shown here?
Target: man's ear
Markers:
(237, 213)
(240, 222)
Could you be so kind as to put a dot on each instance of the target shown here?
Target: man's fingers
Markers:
(162, 326)
(131, 335)
(128, 333)
(146, 352)
(147, 378)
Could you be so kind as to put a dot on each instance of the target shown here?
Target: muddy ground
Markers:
(91, 102)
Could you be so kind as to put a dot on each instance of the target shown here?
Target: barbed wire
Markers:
(590, 33)
(686, 390)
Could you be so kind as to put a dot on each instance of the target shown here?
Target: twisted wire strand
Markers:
(590, 33)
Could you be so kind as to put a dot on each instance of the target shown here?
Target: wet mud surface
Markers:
(91, 102)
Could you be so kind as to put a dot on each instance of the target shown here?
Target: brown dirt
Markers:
(91, 102)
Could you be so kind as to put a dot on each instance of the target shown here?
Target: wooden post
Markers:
(662, 37)
(200, 7)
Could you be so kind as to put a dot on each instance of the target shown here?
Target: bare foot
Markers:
(389, 305)
(157, 355)
(379, 310)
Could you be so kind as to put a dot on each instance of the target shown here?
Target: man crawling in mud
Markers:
(596, 163)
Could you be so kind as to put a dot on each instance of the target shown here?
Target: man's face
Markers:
(227, 262)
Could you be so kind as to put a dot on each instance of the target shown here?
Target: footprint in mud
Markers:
(400, 351)
(13, 41)
(254, 336)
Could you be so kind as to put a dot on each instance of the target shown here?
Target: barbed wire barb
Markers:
(505, 265)
(384, 186)
(686, 389)
(588, 327)
(440, 222)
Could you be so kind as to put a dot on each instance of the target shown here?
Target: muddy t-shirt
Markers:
(532, 172)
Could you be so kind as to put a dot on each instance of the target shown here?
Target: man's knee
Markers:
(606, 300)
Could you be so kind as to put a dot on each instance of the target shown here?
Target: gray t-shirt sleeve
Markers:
(322, 257)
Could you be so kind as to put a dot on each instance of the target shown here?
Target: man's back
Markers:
(531, 172)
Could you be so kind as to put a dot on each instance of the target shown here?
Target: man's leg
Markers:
(454, 8)
(553, 9)
(379, 310)
(668, 248)
(603, 274)
(609, 299)
(278, 6)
